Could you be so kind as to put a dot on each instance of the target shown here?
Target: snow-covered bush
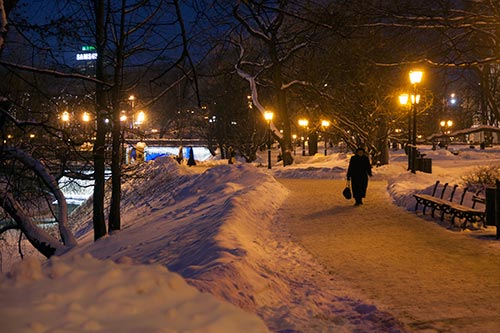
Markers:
(482, 176)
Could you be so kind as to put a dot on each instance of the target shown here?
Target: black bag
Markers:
(347, 191)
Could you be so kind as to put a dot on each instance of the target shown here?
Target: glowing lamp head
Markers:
(141, 116)
(268, 115)
(86, 117)
(303, 122)
(65, 116)
(416, 77)
(325, 123)
(403, 99)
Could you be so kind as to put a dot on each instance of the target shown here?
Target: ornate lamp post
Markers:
(446, 125)
(445, 129)
(294, 137)
(65, 117)
(141, 116)
(86, 120)
(403, 100)
(325, 124)
(268, 115)
(86, 117)
(303, 123)
(415, 79)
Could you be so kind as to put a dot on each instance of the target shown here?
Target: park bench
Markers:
(446, 205)
(434, 202)
(468, 214)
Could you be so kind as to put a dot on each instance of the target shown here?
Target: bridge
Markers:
(164, 142)
(153, 148)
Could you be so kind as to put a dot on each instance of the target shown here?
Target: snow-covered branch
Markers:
(249, 28)
(255, 96)
(462, 64)
(292, 51)
(291, 83)
(52, 72)
(41, 240)
(66, 235)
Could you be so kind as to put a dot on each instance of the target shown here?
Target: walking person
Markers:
(358, 171)
(180, 155)
(191, 160)
(231, 155)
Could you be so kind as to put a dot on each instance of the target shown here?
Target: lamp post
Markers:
(325, 124)
(303, 123)
(86, 120)
(123, 123)
(131, 98)
(415, 79)
(65, 118)
(141, 116)
(294, 137)
(268, 115)
(445, 128)
(445, 125)
(403, 100)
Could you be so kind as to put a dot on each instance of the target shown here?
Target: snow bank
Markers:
(83, 294)
(218, 230)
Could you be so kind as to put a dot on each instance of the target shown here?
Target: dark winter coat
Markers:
(358, 172)
(191, 160)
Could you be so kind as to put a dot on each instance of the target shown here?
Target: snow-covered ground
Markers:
(216, 226)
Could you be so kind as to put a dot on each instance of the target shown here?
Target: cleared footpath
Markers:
(430, 278)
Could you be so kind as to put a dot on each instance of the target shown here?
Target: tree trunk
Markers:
(313, 143)
(100, 140)
(286, 141)
(114, 222)
(382, 144)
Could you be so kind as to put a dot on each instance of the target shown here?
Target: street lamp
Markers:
(445, 124)
(325, 124)
(303, 123)
(131, 98)
(415, 79)
(123, 120)
(403, 100)
(85, 117)
(268, 115)
(65, 116)
(445, 128)
(141, 116)
(86, 120)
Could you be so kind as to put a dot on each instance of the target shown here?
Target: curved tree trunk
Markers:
(66, 235)
(40, 239)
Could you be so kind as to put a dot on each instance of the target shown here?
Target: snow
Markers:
(203, 249)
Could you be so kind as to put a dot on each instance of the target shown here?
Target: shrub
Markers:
(482, 176)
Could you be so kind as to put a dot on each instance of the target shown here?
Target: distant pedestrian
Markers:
(358, 171)
(230, 155)
(180, 155)
(191, 160)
